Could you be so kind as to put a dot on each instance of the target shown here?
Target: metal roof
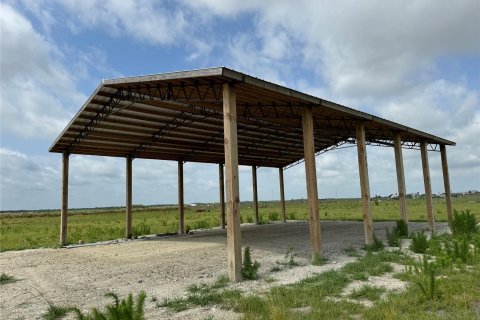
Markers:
(178, 116)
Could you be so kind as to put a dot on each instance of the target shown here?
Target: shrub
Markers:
(419, 242)
(249, 268)
(292, 216)
(464, 223)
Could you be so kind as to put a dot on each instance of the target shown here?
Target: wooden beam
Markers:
(282, 195)
(311, 179)
(128, 206)
(221, 185)
(428, 187)
(181, 211)
(234, 247)
(402, 196)
(364, 183)
(255, 194)
(446, 183)
(64, 211)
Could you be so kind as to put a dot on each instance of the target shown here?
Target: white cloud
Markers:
(151, 22)
(26, 182)
(35, 89)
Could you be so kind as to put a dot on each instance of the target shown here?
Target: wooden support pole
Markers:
(181, 211)
(311, 179)
(364, 183)
(402, 195)
(446, 183)
(282, 195)
(428, 187)
(255, 194)
(221, 185)
(64, 211)
(128, 205)
(234, 247)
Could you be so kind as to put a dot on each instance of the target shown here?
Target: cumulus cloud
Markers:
(35, 89)
(27, 181)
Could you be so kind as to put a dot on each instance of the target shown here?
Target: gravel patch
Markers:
(165, 267)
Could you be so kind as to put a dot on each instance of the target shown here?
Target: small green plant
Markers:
(401, 228)
(249, 219)
(56, 312)
(318, 260)
(126, 309)
(393, 237)
(249, 268)
(376, 245)
(459, 250)
(419, 242)
(290, 258)
(464, 223)
(273, 216)
(351, 251)
(275, 269)
(427, 282)
(291, 216)
(6, 278)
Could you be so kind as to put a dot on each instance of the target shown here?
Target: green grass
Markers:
(202, 295)
(41, 229)
(367, 292)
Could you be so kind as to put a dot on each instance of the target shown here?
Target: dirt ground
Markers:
(164, 267)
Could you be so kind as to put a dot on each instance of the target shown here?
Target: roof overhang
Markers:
(179, 116)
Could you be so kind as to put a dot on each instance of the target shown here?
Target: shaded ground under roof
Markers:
(179, 116)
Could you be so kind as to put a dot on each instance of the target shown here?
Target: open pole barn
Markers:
(221, 116)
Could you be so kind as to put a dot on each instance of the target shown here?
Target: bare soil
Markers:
(165, 267)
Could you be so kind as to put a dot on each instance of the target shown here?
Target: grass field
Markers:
(41, 229)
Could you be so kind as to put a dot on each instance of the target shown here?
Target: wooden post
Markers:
(282, 195)
(446, 183)
(128, 206)
(428, 187)
(364, 183)
(234, 248)
(402, 196)
(221, 185)
(181, 212)
(64, 211)
(255, 195)
(311, 179)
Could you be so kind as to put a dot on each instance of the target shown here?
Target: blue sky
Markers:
(416, 63)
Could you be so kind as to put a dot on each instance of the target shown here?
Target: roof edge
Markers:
(206, 72)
